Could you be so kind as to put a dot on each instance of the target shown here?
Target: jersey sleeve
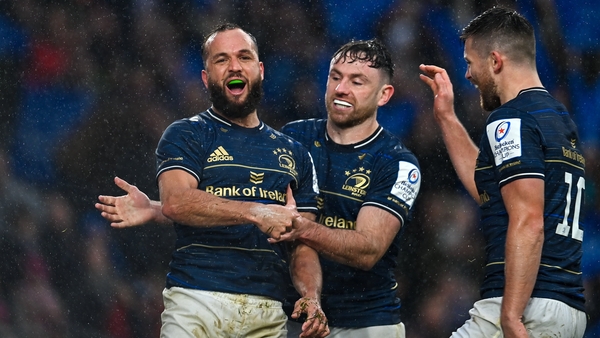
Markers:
(516, 145)
(307, 189)
(179, 148)
(396, 186)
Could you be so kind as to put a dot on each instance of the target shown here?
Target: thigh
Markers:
(196, 313)
(387, 331)
(550, 318)
(294, 329)
(542, 318)
(484, 321)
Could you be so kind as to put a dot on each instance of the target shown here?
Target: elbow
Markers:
(170, 210)
(367, 263)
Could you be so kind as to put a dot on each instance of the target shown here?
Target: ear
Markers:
(386, 93)
(496, 62)
(262, 70)
(205, 78)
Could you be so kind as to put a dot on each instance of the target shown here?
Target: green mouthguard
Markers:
(233, 82)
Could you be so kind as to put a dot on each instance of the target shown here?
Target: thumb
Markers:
(290, 198)
(121, 183)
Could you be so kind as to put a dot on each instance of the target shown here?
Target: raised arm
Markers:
(184, 203)
(461, 149)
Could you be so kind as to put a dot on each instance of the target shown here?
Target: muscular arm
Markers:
(182, 202)
(461, 149)
(524, 201)
(361, 248)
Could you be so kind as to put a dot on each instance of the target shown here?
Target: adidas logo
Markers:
(220, 154)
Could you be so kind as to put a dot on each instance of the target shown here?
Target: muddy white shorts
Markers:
(542, 318)
(383, 331)
(195, 313)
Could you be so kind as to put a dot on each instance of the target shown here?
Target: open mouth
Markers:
(341, 103)
(236, 86)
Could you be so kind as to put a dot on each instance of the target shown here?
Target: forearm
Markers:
(523, 255)
(462, 151)
(346, 247)
(198, 208)
(306, 271)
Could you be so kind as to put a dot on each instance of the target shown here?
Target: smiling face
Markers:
(354, 91)
(478, 72)
(233, 73)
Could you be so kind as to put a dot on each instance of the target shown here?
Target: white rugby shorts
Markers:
(196, 313)
(383, 331)
(542, 318)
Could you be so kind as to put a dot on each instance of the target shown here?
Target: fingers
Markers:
(288, 236)
(290, 197)
(315, 326)
(121, 183)
(105, 207)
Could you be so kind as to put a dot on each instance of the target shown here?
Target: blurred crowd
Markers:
(88, 86)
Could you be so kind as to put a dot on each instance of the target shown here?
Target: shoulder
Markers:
(391, 148)
(284, 139)
(304, 128)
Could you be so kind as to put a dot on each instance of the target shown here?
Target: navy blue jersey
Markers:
(245, 164)
(380, 172)
(533, 136)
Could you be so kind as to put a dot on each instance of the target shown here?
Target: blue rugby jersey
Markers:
(245, 164)
(533, 136)
(380, 172)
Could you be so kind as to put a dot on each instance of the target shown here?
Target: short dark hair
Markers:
(503, 29)
(371, 51)
(222, 28)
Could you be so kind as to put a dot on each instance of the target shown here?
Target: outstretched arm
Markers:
(132, 209)
(461, 149)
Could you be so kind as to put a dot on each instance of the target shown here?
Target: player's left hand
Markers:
(315, 324)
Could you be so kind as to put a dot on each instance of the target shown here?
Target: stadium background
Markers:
(88, 86)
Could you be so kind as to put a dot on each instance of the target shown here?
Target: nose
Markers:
(341, 87)
(468, 73)
(235, 65)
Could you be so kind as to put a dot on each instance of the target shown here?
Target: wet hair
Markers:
(371, 51)
(502, 29)
(222, 28)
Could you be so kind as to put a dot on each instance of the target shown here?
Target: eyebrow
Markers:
(241, 51)
(351, 75)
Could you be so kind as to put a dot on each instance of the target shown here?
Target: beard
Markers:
(349, 119)
(235, 108)
(488, 94)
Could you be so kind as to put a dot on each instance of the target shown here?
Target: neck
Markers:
(510, 85)
(249, 121)
(351, 135)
